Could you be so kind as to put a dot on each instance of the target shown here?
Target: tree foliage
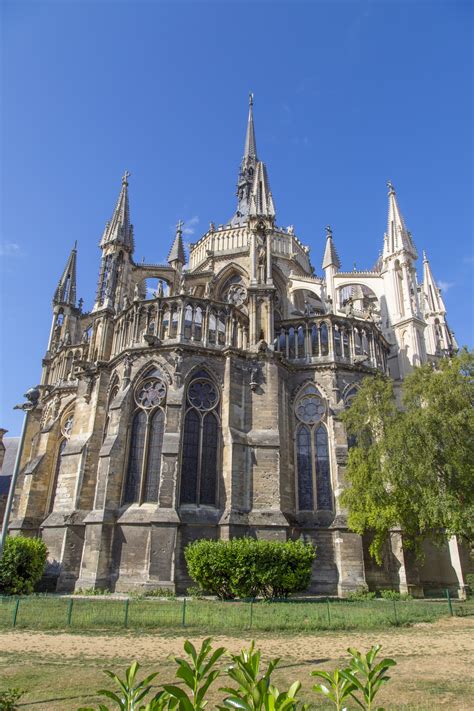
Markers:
(412, 464)
(22, 565)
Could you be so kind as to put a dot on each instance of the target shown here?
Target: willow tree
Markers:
(412, 462)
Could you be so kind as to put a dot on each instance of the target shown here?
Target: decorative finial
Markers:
(391, 189)
(425, 258)
(250, 99)
(125, 177)
(179, 226)
(328, 231)
(75, 245)
(355, 267)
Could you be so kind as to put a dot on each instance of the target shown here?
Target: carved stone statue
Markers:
(159, 291)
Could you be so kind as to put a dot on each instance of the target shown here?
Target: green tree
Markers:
(412, 465)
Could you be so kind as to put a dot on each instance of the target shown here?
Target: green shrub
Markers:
(470, 583)
(92, 591)
(9, 698)
(394, 595)
(361, 594)
(246, 567)
(22, 565)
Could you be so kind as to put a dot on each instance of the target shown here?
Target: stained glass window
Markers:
(323, 332)
(305, 470)
(323, 475)
(312, 453)
(135, 458)
(146, 442)
(190, 460)
(199, 463)
(155, 444)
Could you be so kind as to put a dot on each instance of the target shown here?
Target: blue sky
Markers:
(347, 95)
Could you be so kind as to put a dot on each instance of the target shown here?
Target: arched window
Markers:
(188, 321)
(197, 335)
(337, 341)
(323, 333)
(312, 453)
(201, 440)
(146, 443)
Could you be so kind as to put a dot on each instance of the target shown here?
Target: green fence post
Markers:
(15, 611)
(251, 615)
(127, 603)
(395, 611)
(329, 612)
(183, 620)
(69, 611)
(450, 604)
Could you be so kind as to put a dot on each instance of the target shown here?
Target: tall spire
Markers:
(119, 230)
(331, 257)
(250, 150)
(261, 200)
(247, 171)
(397, 237)
(432, 295)
(177, 248)
(66, 290)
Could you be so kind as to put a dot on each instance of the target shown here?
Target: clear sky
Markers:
(347, 95)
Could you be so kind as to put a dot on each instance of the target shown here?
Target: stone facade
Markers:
(210, 406)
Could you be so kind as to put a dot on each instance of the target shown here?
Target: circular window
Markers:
(310, 409)
(203, 395)
(150, 393)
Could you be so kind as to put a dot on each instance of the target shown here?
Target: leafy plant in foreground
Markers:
(198, 674)
(367, 676)
(255, 692)
(337, 687)
(362, 676)
(132, 692)
(9, 698)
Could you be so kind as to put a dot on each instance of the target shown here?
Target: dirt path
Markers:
(447, 638)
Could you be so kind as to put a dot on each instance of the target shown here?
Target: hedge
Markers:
(246, 567)
(22, 565)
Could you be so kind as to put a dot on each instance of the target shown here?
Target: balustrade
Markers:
(329, 339)
(182, 319)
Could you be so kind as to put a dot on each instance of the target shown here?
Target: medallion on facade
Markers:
(310, 409)
(150, 393)
(203, 395)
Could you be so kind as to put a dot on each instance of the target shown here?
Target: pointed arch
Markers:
(313, 472)
(200, 451)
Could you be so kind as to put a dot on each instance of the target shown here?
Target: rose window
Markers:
(150, 393)
(237, 294)
(310, 409)
(203, 395)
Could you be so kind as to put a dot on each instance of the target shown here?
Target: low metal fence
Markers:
(55, 612)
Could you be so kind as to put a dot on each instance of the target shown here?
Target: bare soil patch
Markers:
(434, 662)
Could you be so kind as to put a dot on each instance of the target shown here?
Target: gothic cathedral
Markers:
(208, 405)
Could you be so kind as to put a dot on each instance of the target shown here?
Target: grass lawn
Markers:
(61, 671)
(55, 612)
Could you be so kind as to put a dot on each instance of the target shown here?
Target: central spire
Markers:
(250, 150)
(253, 191)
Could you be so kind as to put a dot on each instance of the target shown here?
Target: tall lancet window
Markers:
(201, 443)
(146, 442)
(314, 489)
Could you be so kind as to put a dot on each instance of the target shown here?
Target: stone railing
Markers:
(180, 319)
(63, 361)
(331, 338)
